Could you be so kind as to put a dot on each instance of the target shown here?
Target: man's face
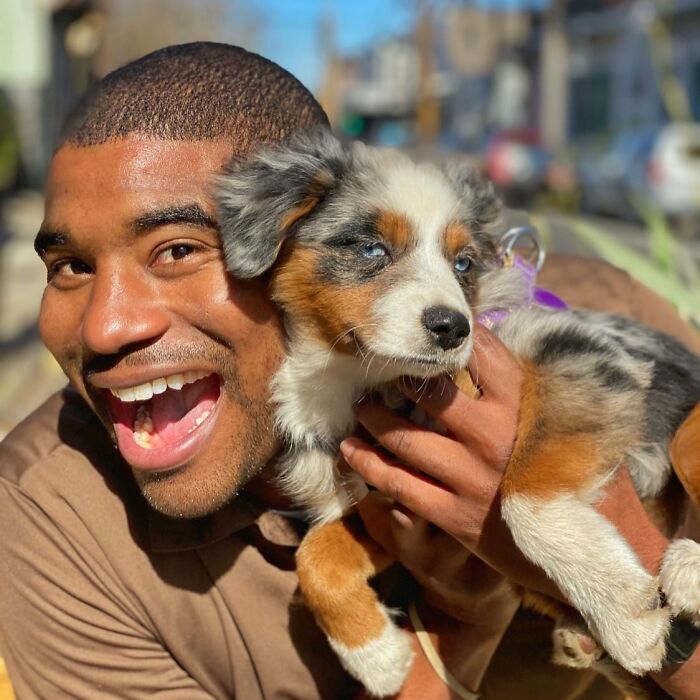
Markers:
(173, 356)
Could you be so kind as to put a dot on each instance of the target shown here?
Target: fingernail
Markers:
(348, 447)
(401, 519)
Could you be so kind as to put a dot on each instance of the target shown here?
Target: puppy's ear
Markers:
(262, 199)
(481, 207)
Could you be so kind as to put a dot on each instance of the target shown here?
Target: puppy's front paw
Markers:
(573, 645)
(680, 578)
(637, 638)
(382, 664)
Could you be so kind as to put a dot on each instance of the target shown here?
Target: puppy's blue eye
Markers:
(374, 250)
(462, 264)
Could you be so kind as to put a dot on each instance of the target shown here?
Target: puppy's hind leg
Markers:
(574, 647)
(334, 563)
(597, 571)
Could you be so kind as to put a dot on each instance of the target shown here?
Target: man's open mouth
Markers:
(159, 423)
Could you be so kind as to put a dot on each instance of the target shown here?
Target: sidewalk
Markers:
(28, 373)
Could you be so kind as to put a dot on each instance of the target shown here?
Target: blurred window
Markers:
(590, 104)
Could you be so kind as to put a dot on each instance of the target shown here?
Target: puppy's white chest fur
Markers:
(315, 391)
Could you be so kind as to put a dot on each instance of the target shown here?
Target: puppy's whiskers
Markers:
(341, 336)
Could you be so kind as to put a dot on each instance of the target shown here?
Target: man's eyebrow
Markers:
(188, 214)
(45, 240)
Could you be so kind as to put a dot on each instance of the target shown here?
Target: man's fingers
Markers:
(393, 526)
(421, 496)
(481, 425)
(440, 457)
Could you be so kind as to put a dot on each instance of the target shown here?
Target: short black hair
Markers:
(195, 92)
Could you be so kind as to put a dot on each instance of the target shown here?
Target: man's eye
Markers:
(174, 253)
(69, 268)
(374, 250)
(462, 264)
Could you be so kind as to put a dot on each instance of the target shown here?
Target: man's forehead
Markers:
(111, 187)
(135, 164)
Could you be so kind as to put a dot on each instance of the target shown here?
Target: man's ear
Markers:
(263, 198)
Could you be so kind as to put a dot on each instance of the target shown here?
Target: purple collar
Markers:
(537, 296)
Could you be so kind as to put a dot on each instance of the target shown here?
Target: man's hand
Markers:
(453, 579)
(466, 606)
(451, 480)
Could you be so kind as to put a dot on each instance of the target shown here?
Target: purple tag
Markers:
(536, 295)
(544, 297)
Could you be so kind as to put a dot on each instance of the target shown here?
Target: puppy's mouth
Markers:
(416, 364)
(163, 415)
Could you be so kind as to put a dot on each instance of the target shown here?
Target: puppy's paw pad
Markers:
(381, 664)
(680, 578)
(574, 647)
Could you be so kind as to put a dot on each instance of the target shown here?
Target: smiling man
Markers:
(140, 551)
(142, 318)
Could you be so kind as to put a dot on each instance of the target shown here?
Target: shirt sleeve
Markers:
(64, 632)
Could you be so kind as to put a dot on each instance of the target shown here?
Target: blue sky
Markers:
(289, 33)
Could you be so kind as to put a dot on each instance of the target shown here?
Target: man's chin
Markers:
(186, 492)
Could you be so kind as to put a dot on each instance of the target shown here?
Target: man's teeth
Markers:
(143, 422)
(199, 421)
(145, 391)
(143, 427)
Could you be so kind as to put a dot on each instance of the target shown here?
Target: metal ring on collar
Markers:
(516, 236)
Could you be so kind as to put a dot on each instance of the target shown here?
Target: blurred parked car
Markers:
(674, 172)
(517, 163)
(658, 167)
(613, 180)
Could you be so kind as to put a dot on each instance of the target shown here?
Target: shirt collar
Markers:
(169, 535)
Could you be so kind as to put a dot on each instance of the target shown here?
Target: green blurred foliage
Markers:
(9, 146)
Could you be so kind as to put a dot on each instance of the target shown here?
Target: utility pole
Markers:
(554, 78)
(427, 102)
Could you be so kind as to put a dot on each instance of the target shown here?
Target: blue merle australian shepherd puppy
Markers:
(381, 267)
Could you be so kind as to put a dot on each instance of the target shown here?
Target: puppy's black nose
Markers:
(447, 328)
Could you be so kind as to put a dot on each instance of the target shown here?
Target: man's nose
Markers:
(122, 310)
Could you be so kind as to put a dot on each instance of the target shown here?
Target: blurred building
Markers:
(454, 77)
(51, 51)
(630, 63)
(380, 105)
(45, 51)
(489, 55)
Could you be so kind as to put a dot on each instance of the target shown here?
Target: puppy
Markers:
(381, 267)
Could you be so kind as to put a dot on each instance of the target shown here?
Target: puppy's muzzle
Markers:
(446, 328)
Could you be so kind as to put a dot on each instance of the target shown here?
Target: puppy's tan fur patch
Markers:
(396, 229)
(329, 312)
(334, 563)
(317, 191)
(457, 237)
(685, 455)
(548, 458)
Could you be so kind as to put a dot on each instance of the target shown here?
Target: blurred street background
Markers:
(584, 113)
